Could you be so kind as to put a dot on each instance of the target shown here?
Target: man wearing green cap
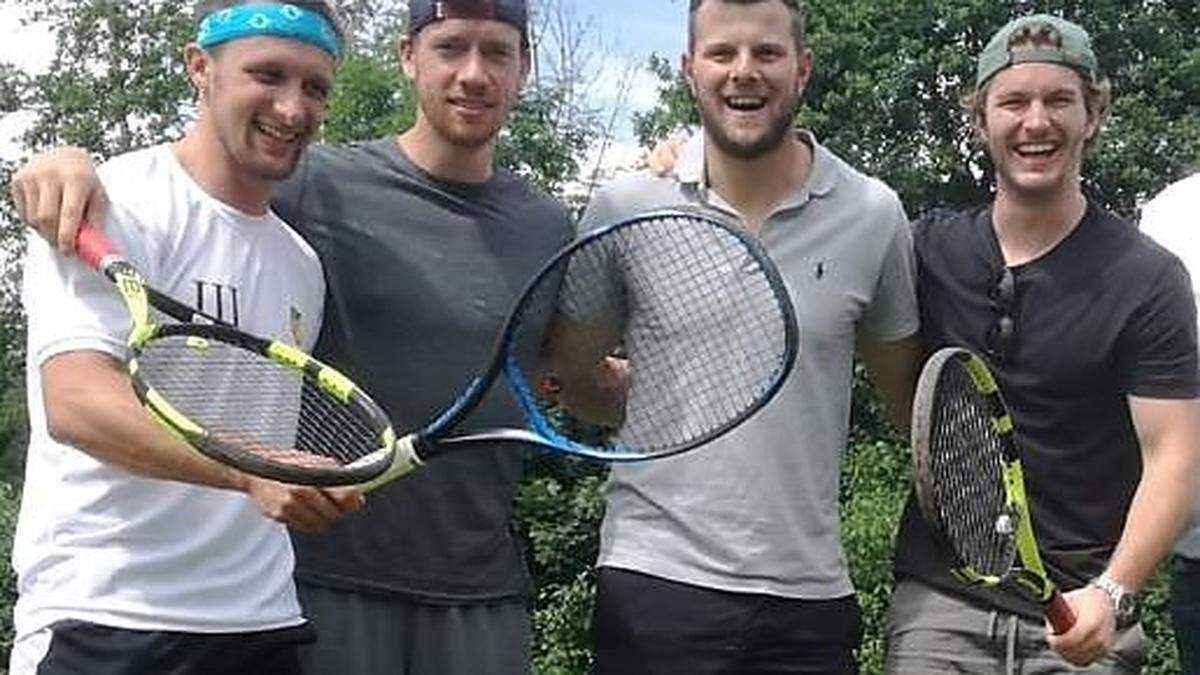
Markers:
(1090, 329)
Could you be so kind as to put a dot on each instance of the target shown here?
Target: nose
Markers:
(744, 67)
(473, 71)
(290, 104)
(1036, 115)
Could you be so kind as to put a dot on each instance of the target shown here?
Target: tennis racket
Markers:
(261, 406)
(969, 482)
(643, 339)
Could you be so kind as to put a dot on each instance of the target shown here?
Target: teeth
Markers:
(1035, 148)
(745, 102)
(277, 133)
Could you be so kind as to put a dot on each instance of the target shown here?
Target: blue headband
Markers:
(271, 19)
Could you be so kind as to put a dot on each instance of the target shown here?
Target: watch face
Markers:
(1126, 605)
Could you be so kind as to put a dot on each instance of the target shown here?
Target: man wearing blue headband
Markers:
(424, 244)
(133, 553)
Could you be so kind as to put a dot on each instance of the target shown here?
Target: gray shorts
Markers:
(368, 634)
(931, 632)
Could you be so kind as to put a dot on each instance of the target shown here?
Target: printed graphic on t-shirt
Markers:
(219, 300)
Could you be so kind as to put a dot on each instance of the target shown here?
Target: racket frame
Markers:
(426, 441)
(1026, 572)
(97, 251)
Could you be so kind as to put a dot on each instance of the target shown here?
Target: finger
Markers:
(17, 190)
(346, 500)
(299, 515)
(46, 209)
(97, 206)
(73, 208)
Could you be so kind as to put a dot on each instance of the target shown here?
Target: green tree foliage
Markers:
(116, 83)
(888, 76)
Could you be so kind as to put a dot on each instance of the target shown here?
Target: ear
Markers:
(405, 49)
(198, 64)
(526, 65)
(686, 63)
(1093, 125)
(804, 69)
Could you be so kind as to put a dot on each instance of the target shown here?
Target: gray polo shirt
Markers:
(756, 511)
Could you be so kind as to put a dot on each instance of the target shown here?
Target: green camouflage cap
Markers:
(1038, 38)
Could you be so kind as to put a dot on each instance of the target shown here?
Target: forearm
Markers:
(91, 406)
(1157, 514)
(893, 367)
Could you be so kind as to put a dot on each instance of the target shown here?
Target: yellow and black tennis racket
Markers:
(969, 481)
(261, 406)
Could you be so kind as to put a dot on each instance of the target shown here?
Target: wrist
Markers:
(1121, 598)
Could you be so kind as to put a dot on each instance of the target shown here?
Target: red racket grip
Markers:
(92, 245)
(1059, 614)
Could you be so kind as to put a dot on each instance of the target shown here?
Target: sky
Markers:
(625, 32)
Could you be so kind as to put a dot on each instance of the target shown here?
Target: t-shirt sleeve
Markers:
(892, 314)
(70, 306)
(603, 209)
(1160, 340)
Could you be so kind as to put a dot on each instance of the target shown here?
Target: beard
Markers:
(754, 147)
(459, 133)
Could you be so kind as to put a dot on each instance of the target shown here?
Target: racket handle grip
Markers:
(1059, 614)
(92, 245)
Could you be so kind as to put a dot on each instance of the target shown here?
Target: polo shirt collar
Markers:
(822, 179)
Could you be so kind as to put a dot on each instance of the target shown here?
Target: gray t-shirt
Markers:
(756, 511)
(420, 275)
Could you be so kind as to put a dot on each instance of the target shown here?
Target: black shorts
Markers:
(645, 625)
(80, 648)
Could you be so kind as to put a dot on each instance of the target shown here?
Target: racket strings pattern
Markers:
(697, 320)
(249, 404)
(967, 458)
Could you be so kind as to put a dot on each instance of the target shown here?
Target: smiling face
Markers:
(1036, 124)
(746, 74)
(263, 99)
(467, 73)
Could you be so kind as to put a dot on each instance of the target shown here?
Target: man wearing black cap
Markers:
(424, 244)
(1091, 331)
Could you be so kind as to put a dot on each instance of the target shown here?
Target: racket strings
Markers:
(250, 405)
(967, 463)
(698, 322)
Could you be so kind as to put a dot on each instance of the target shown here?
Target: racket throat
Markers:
(405, 458)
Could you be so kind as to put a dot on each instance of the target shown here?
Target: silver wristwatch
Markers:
(1124, 601)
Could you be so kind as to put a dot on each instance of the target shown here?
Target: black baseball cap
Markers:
(421, 13)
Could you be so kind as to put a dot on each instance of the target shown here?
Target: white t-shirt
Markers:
(1171, 219)
(95, 542)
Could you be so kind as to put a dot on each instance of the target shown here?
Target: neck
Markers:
(204, 158)
(428, 149)
(755, 186)
(1027, 228)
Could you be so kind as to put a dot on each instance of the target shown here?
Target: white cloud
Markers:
(29, 47)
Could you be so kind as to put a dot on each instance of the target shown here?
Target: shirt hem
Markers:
(420, 596)
(811, 592)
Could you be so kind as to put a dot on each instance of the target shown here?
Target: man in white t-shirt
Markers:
(1170, 218)
(134, 554)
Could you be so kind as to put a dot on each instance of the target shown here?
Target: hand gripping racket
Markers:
(258, 405)
(969, 481)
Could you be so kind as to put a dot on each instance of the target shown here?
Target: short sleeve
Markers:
(892, 314)
(1159, 341)
(70, 306)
